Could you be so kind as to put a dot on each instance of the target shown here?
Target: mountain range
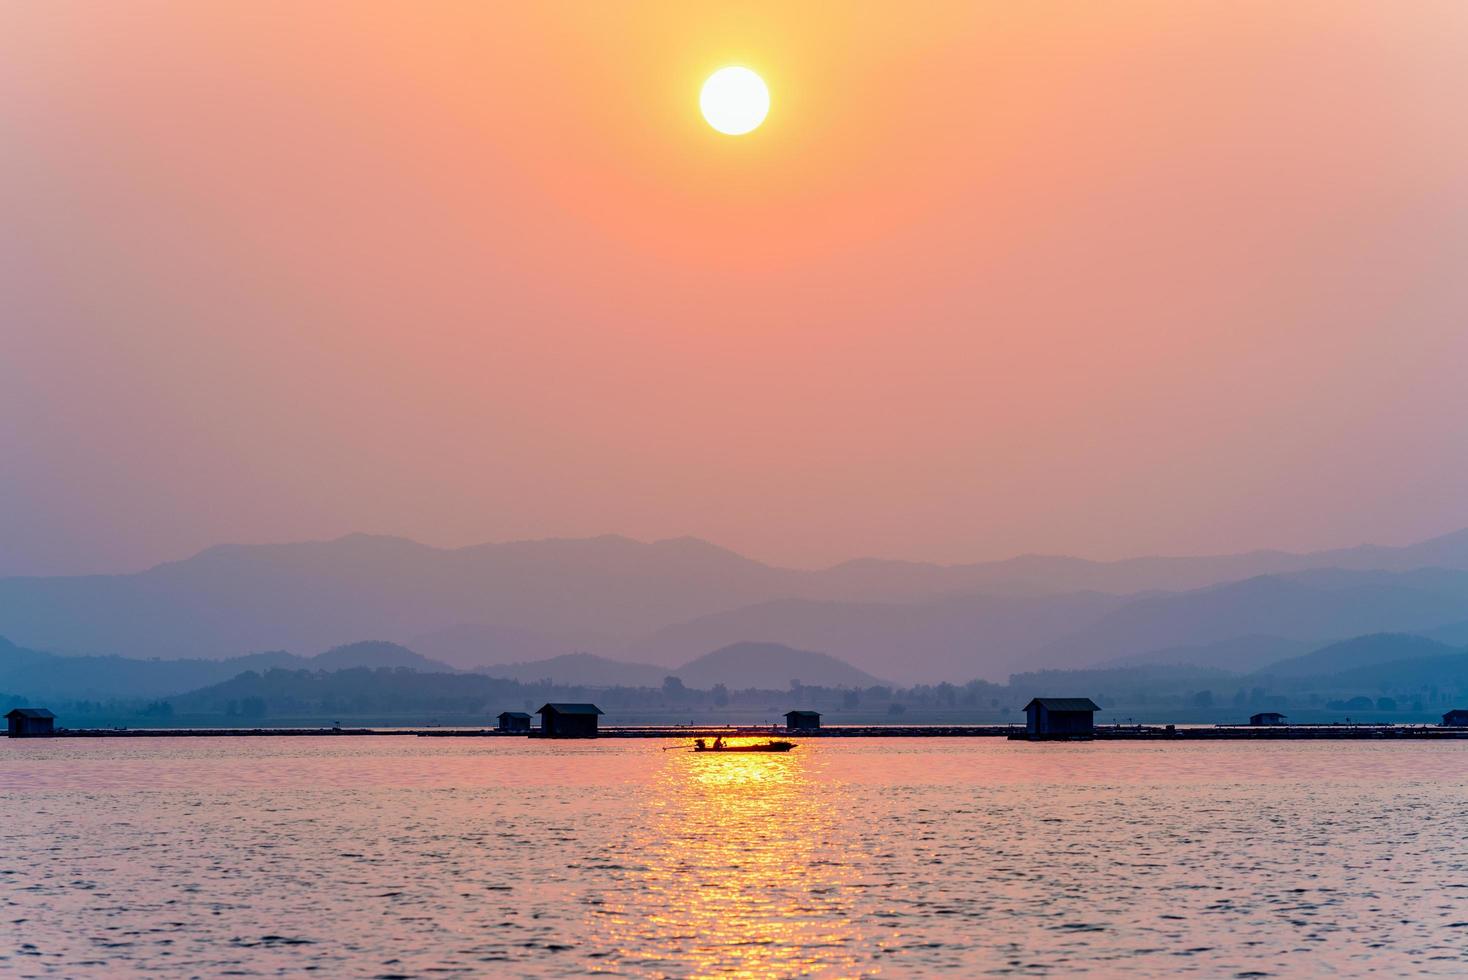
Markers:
(664, 604)
(42, 675)
(768, 666)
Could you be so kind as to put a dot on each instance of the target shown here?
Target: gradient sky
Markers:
(1090, 277)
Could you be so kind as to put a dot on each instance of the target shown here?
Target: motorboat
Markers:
(702, 745)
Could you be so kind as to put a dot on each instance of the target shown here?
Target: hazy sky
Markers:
(1089, 277)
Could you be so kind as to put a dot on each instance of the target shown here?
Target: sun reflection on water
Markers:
(739, 874)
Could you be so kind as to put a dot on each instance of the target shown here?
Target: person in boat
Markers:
(718, 742)
(698, 743)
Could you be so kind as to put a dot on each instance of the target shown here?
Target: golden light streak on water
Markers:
(744, 877)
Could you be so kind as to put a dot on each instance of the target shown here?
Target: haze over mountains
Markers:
(45, 675)
(768, 666)
(666, 603)
(739, 665)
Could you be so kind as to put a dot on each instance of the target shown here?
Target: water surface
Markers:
(399, 856)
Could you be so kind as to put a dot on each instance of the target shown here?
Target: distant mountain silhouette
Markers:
(992, 637)
(740, 665)
(1372, 650)
(1453, 634)
(957, 638)
(1448, 671)
(1316, 606)
(771, 666)
(668, 601)
(473, 645)
(1035, 574)
(230, 599)
(1239, 654)
(321, 695)
(37, 674)
(581, 669)
(376, 653)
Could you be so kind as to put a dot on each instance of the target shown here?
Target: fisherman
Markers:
(718, 743)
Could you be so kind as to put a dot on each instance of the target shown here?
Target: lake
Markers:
(406, 857)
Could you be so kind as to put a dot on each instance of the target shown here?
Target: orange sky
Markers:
(1098, 278)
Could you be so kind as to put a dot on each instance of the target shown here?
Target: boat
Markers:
(700, 745)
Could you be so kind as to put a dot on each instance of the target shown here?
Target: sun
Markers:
(734, 101)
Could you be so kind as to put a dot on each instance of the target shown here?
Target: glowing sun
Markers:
(734, 101)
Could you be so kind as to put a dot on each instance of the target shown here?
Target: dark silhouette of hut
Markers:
(1061, 716)
(803, 721)
(1268, 718)
(1457, 718)
(565, 720)
(514, 721)
(26, 722)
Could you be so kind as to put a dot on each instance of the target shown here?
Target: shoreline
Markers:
(1011, 732)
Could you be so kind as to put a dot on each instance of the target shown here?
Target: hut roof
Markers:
(803, 714)
(515, 714)
(1063, 704)
(30, 713)
(567, 708)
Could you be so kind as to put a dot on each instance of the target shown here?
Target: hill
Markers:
(376, 653)
(663, 602)
(355, 690)
(1237, 626)
(40, 675)
(951, 639)
(1037, 574)
(1414, 676)
(1313, 607)
(770, 666)
(1453, 634)
(313, 595)
(1112, 685)
(1236, 653)
(1362, 651)
(469, 646)
(581, 669)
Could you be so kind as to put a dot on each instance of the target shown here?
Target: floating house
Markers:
(803, 721)
(1457, 718)
(514, 721)
(28, 722)
(1268, 718)
(1061, 716)
(565, 720)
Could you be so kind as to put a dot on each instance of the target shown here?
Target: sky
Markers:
(1096, 278)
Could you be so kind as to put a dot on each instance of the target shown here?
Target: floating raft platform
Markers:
(1012, 732)
(1253, 733)
(210, 732)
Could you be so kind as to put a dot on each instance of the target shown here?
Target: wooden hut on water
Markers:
(1061, 716)
(514, 721)
(29, 722)
(567, 720)
(1268, 718)
(803, 721)
(1457, 718)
